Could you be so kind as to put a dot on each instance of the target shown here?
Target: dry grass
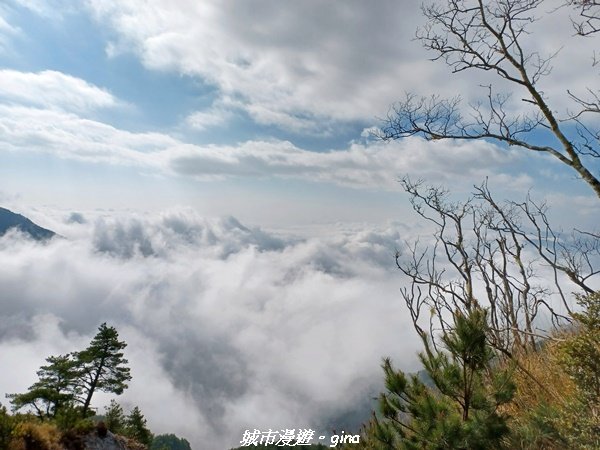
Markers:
(540, 379)
(35, 436)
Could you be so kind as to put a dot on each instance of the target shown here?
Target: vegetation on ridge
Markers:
(55, 413)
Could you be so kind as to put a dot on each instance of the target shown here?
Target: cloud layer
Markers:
(228, 327)
(309, 66)
(53, 90)
(297, 66)
(363, 165)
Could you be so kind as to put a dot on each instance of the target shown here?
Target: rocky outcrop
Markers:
(101, 439)
(109, 442)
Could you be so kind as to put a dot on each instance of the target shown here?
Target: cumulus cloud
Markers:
(272, 69)
(309, 65)
(229, 327)
(53, 90)
(300, 66)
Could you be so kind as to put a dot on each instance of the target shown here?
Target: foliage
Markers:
(551, 409)
(581, 353)
(482, 250)
(54, 390)
(73, 379)
(7, 425)
(169, 442)
(135, 427)
(68, 418)
(556, 405)
(102, 365)
(542, 389)
(579, 419)
(114, 418)
(28, 432)
(536, 429)
(61, 398)
(493, 250)
(461, 411)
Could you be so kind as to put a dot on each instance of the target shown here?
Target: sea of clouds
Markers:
(228, 327)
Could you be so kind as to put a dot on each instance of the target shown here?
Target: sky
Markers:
(226, 205)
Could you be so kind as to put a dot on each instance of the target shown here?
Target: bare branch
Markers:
(489, 36)
(487, 254)
(588, 21)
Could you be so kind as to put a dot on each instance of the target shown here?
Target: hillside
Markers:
(10, 220)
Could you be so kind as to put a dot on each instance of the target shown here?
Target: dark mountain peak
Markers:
(9, 220)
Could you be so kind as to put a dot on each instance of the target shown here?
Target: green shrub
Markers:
(7, 425)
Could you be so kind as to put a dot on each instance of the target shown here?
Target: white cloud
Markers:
(51, 9)
(308, 66)
(564, 206)
(228, 328)
(53, 90)
(375, 165)
(217, 115)
(299, 66)
(7, 31)
(67, 135)
(5, 27)
(311, 66)
(368, 165)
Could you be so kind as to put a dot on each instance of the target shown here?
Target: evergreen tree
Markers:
(460, 410)
(135, 427)
(579, 418)
(169, 442)
(7, 425)
(114, 418)
(581, 353)
(102, 365)
(55, 389)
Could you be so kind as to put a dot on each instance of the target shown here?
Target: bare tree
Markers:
(589, 16)
(501, 260)
(491, 36)
(490, 254)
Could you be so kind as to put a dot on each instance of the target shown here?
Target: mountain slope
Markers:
(9, 220)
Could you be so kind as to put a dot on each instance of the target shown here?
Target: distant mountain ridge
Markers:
(10, 220)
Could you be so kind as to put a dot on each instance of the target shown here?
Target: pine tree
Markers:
(114, 418)
(135, 427)
(581, 353)
(102, 365)
(457, 408)
(579, 418)
(55, 389)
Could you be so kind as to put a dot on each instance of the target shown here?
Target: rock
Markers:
(110, 441)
